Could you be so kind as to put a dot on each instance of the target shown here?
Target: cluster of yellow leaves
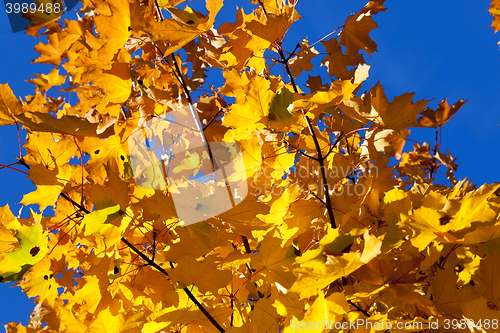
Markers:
(327, 230)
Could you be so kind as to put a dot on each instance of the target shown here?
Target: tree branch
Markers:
(321, 161)
(158, 267)
(186, 290)
(320, 158)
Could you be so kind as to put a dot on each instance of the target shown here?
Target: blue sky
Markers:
(436, 49)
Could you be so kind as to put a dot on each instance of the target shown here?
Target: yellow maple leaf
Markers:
(325, 310)
(203, 274)
(40, 281)
(113, 25)
(315, 274)
(274, 262)
(397, 115)
(116, 82)
(50, 184)
(178, 33)
(32, 248)
(9, 105)
(45, 82)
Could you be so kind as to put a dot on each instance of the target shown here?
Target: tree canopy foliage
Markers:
(330, 221)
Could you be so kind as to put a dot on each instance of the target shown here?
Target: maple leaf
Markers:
(32, 248)
(337, 62)
(441, 116)
(9, 105)
(192, 272)
(127, 168)
(302, 61)
(272, 30)
(488, 270)
(397, 115)
(109, 322)
(45, 82)
(42, 122)
(48, 149)
(265, 316)
(96, 221)
(113, 23)
(40, 281)
(7, 240)
(116, 82)
(332, 307)
(49, 184)
(495, 11)
(254, 108)
(280, 106)
(357, 27)
(272, 257)
(380, 272)
(178, 33)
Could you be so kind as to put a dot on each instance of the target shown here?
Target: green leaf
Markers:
(280, 106)
(340, 243)
(32, 248)
(96, 221)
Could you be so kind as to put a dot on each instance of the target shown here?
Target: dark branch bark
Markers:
(320, 157)
(185, 289)
(321, 161)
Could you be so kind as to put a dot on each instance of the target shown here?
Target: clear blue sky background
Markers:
(437, 49)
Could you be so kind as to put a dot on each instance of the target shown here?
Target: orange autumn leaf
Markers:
(441, 116)
(184, 181)
(178, 33)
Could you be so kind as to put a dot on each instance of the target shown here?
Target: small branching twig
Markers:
(300, 151)
(320, 157)
(359, 308)
(213, 118)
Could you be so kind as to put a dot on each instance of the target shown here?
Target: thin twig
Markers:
(263, 8)
(158, 11)
(213, 118)
(359, 308)
(332, 147)
(300, 151)
(246, 244)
